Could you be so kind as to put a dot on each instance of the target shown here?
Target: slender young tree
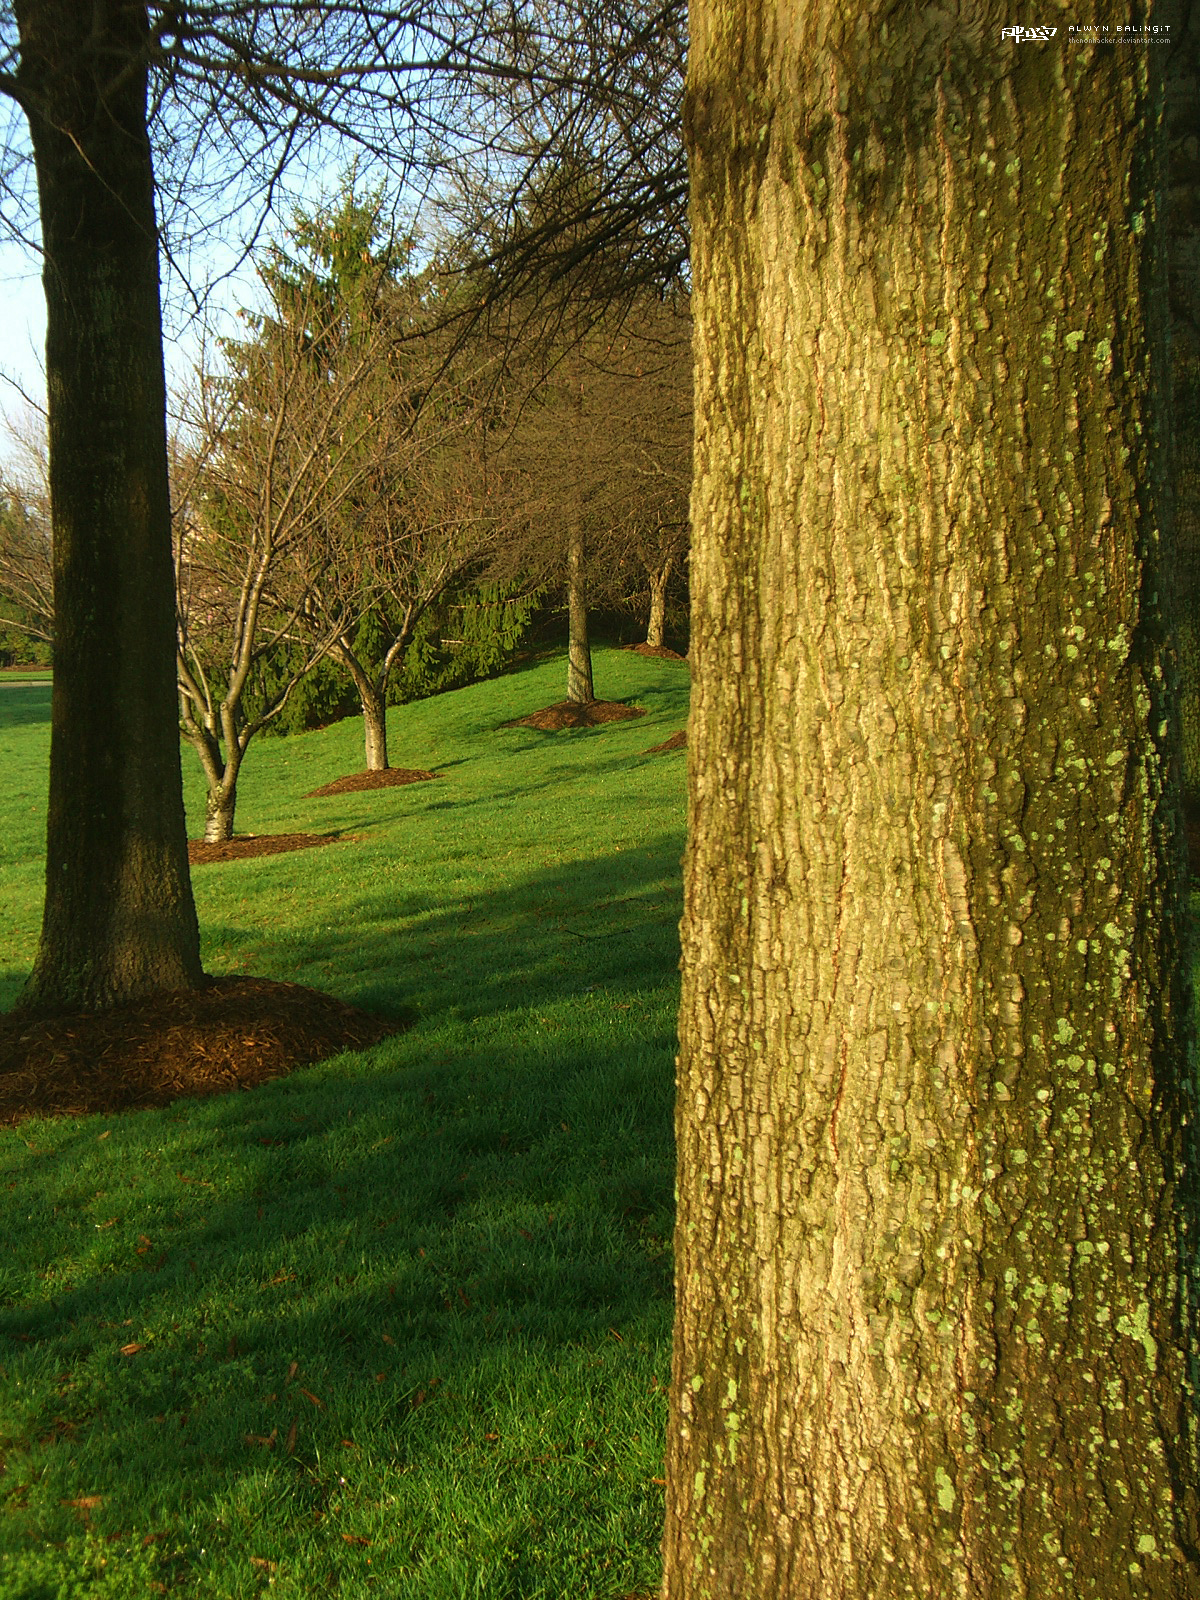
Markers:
(936, 1326)
(287, 441)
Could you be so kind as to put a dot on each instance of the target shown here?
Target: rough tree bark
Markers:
(1183, 213)
(119, 919)
(937, 1172)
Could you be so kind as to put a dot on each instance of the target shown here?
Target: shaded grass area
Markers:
(398, 1324)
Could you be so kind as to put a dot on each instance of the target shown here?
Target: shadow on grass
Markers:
(24, 704)
(419, 1296)
(608, 923)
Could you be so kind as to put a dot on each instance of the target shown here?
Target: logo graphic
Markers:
(1019, 33)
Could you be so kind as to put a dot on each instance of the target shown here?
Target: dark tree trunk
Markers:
(119, 919)
(658, 603)
(579, 654)
(936, 1242)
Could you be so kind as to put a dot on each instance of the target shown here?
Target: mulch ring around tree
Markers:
(355, 782)
(231, 1034)
(575, 714)
(662, 651)
(677, 741)
(242, 845)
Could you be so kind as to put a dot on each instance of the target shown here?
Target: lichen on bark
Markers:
(937, 1174)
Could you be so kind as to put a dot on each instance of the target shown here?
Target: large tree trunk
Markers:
(659, 578)
(937, 1173)
(579, 654)
(119, 919)
(1183, 211)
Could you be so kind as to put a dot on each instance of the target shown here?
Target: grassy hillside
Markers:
(398, 1324)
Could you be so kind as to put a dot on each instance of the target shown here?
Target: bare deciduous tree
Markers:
(286, 440)
(599, 449)
(26, 553)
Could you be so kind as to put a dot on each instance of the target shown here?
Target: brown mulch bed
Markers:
(677, 741)
(664, 652)
(232, 1034)
(353, 782)
(254, 844)
(575, 714)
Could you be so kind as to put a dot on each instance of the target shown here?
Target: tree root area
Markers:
(664, 652)
(231, 1034)
(200, 851)
(677, 741)
(575, 714)
(355, 782)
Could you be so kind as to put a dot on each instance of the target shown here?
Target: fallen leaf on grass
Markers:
(152, 1538)
(292, 1371)
(387, 1338)
(261, 1561)
(143, 1244)
(133, 1348)
(103, 1135)
(661, 1481)
(84, 1506)
(352, 1538)
(267, 1439)
(349, 1444)
(315, 1399)
(108, 1224)
(290, 1442)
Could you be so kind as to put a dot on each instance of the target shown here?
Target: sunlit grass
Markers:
(398, 1324)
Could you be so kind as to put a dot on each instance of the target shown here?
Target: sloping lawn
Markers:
(398, 1324)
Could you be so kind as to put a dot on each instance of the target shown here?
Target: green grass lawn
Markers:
(398, 1324)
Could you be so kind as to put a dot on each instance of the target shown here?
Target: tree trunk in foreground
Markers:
(1183, 212)
(937, 1175)
(119, 919)
(656, 627)
(579, 654)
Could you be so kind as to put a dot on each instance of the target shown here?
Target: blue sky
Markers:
(23, 324)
